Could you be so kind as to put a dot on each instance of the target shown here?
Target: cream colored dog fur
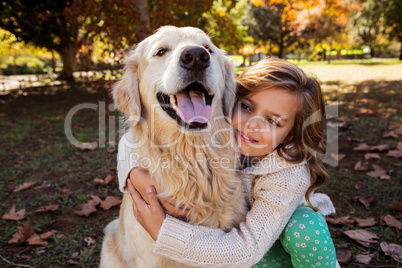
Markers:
(194, 176)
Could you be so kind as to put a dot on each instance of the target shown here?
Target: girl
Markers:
(281, 172)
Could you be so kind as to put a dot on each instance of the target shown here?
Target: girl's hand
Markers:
(151, 215)
(141, 179)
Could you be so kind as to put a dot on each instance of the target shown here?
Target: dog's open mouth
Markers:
(191, 107)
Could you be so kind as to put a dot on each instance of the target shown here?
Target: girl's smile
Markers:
(263, 120)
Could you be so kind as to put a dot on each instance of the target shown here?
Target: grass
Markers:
(33, 147)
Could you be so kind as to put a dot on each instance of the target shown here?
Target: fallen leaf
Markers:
(89, 241)
(43, 185)
(89, 207)
(22, 234)
(393, 250)
(361, 167)
(14, 215)
(395, 153)
(379, 172)
(391, 134)
(355, 140)
(110, 151)
(343, 255)
(365, 111)
(362, 236)
(63, 190)
(48, 208)
(105, 181)
(397, 205)
(366, 201)
(362, 147)
(371, 155)
(340, 221)
(24, 186)
(392, 222)
(37, 240)
(364, 258)
(381, 147)
(109, 202)
(365, 222)
(87, 146)
(86, 209)
(338, 157)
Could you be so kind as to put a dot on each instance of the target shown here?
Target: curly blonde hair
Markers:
(303, 141)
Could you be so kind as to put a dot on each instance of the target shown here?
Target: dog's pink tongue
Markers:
(191, 107)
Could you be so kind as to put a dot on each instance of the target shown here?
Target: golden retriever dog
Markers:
(178, 90)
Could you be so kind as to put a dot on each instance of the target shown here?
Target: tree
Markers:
(42, 23)
(276, 21)
(393, 18)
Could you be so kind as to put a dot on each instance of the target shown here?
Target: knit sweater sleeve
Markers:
(276, 196)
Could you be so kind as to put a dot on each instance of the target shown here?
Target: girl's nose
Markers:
(257, 124)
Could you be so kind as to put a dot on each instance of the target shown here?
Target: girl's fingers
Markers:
(138, 201)
(153, 199)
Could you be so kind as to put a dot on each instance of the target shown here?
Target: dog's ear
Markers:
(229, 95)
(126, 94)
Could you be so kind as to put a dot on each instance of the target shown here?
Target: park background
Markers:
(56, 198)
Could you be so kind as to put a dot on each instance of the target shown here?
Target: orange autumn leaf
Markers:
(24, 186)
(14, 215)
(22, 234)
(89, 207)
(105, 181)
(397, 205)
(109, 202)
(340, 221)
(47, 208)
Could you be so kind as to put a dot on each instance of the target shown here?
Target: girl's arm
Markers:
(276, 197)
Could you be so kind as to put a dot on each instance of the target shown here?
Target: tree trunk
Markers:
(400, 53)
(67, 55)
(143, 26)
(281, 52)
(53, 62)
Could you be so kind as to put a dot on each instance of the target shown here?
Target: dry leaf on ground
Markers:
(109, 202)
(391, 134)
(355, 140)
(111, 150)
(380, 147)
(362, 147)
(392, 222)
(338, 157)
(14, 215)
(379, 172)
(105, 181)
(87, 146)
(393, 250)
(25, 233)
(364, 258)
(362, 236)
(47, 208)
(89, 240)
(366, 201)
(397, 205)
(372, 155)
(359, 166)
(345, 220)
(24, 186)
(365, 222)
(395, 153)
(343, 255)
(89, 207)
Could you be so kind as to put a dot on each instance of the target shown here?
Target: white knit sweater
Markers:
(273, 188)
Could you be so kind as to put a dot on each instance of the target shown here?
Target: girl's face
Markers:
(264, 120)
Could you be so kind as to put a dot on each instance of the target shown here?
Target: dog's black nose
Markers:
(194, 58)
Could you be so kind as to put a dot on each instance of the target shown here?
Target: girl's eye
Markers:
(245, 106)
(207, 47)
(273, 122)
(161, 52)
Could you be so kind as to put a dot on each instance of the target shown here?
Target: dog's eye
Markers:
(161, 52)
(208, 48)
